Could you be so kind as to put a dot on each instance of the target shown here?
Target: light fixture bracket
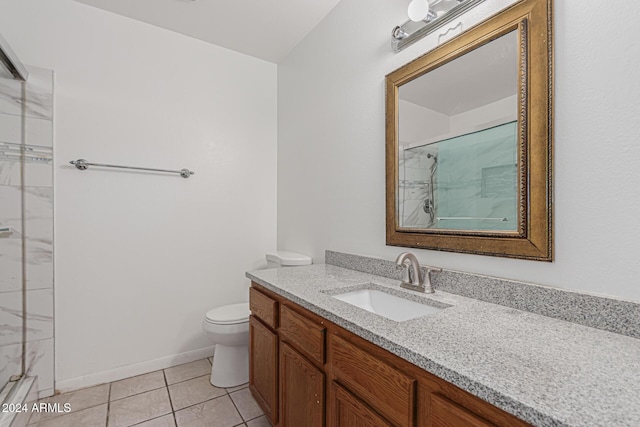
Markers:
(410, 32)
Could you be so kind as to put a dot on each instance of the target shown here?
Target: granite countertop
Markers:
(546, 371)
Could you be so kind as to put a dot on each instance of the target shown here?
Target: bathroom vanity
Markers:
(308, 371)
(318, 361)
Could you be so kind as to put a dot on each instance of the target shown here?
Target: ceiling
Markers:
(266, 29)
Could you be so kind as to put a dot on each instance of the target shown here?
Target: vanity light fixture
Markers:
(426, 16)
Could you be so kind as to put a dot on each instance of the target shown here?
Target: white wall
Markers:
(493, 114)
(140, 257)
(418, 124)
(331, 144)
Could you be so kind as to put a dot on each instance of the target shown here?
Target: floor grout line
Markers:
(184, 381)
(138, 394)
(242, 387)
(108, 405)
(157, 388)
(236, 406)
(173, 411)
(181, 381)
(150, 419)
(209, 400)
(59, 415)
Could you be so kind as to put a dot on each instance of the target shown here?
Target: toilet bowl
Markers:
(228, 328)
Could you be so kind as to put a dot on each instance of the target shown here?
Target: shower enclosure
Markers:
(26, 231)
(467, 182)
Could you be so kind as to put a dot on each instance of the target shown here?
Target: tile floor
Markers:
(180, 396)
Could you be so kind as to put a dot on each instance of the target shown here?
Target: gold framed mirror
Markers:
(469, 140)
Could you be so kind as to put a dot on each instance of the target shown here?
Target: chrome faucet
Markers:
(412, 277)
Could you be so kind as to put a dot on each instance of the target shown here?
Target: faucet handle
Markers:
(405, 272)
(427, 278)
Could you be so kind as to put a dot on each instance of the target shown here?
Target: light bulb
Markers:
(418, 10)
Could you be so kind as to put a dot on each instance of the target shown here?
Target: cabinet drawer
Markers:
(445, 413)
(303, 334)
(379, 384)
(263, 307)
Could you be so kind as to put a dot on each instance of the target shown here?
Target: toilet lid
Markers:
(229, 314)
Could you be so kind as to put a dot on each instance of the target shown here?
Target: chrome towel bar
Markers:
(470, 217)
(82, 164)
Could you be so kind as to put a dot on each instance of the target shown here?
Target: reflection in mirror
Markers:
(458, 143)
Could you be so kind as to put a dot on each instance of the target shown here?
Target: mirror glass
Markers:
(458, 142)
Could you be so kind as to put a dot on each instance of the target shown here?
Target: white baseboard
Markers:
(44, 393)
(122, 372)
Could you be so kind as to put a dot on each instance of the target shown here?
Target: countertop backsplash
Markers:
(606, 313)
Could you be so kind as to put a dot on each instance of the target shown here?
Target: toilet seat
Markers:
(232, 314)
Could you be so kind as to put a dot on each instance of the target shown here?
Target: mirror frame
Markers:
(533, 240)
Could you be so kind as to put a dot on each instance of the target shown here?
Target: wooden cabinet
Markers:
(264, 308)
(349, 411)
(301, 390)
(381, 385)
(305, 335)
(440, 404)
(445, 413)
(263, 367)
(302, 377)
(263, 352)
(300, 360)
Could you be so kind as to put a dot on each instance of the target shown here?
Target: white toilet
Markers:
(228, 327)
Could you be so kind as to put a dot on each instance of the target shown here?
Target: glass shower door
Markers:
(12, 292)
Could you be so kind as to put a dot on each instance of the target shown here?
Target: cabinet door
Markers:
(302, 390)
(263, 368)
(445, 413)
(349, 411)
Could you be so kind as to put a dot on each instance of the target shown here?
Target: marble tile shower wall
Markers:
(476, 177)
(26, 124)
(414, 176)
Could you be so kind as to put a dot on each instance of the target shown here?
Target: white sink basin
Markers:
(390, 306)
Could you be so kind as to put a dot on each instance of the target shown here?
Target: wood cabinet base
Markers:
(308, 372)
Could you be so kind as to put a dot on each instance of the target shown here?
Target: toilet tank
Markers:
(286, 259)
